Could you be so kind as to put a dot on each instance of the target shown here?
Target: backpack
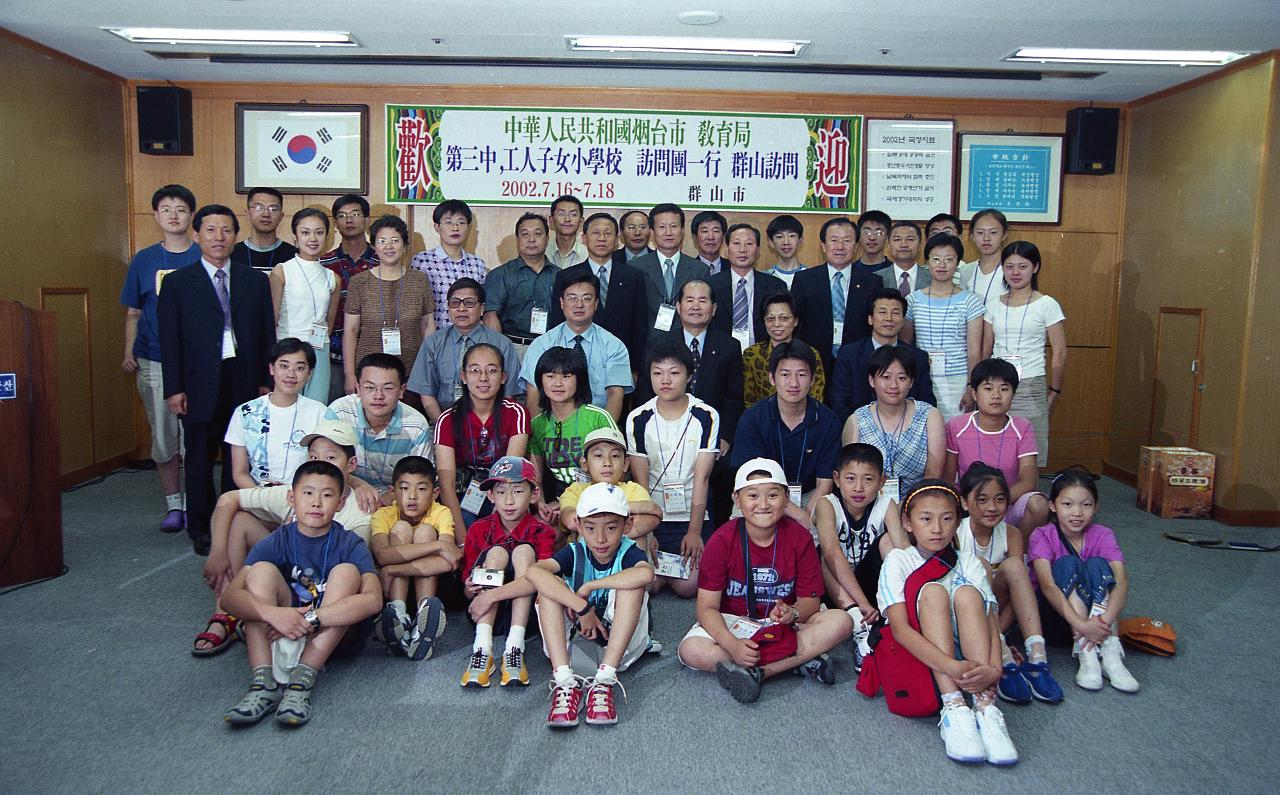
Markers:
(909, 689)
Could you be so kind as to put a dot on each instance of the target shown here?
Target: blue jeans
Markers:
(1092, 579)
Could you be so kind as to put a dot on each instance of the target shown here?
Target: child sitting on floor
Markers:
(984, 534)
(413, 540)
(604, 459)
(1089, 583)
(958, 637)
(781, 584)
(601, 580)
(302, 589)
(500, 548)
(857, 526)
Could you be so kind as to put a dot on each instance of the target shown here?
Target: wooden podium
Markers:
(30, 503)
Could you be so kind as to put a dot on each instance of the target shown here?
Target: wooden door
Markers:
(1179, 369)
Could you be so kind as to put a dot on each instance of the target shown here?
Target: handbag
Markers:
(774, 641)
(1150, 635)
(908, 684)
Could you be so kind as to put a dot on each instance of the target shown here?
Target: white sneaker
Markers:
(960, 734)
(1089, 676)
(861, 631)
(995, 737)
(1113, 667)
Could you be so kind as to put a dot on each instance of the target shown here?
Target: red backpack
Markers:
(909, 689)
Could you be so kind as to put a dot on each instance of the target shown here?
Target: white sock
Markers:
(484, 638)
(606, 674)
(398, 606)
(953, 699)
(563, 676)
(515, 638)
(174, 502)
(859, 625)
(1035, 649)
(1006, 655)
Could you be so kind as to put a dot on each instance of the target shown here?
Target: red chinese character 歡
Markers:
(833, 163)
(412, 142)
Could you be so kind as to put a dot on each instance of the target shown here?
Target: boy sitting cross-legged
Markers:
(592, 607)
(604, 459)
(301, 590)
(739, 600)
(500, 548)
(413, 541)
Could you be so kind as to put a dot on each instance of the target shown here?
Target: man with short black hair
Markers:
(848, 387)
(905, 274)
(566, 215)
(873, 235)
(742, 290)
(634, 229)
(667, 268)
(352, 255)
(263, 249)
(520, 290)
(173, 206)
(709, 229)
(449, 261)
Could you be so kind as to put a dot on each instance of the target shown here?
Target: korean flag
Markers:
(303, 149)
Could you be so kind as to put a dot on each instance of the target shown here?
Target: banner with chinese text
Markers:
(624, 158)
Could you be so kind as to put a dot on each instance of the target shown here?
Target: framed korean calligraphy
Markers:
(1016, 173)
(303, 148)
(624, 158)
(910, 165)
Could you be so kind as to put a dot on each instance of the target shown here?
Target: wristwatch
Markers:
(795, 614)
(583, 612)
(313, 618)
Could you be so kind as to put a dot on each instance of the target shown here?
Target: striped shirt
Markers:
(442, 272)
(906, 450)
(672, 447)
(942, 324)
(408, 433)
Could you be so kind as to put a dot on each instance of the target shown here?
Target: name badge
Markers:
(797, 497)
(473, 498)
(837, 332)
(670, 564)
(744, 628)
(391, 341)
(890, 489)
(1016, 361)
(319, 336)
(160, 277)
(674, 499)
(457, 391)
(666, 317)
(228, 343)
(938, 362)
(743, 336)
(538, 321)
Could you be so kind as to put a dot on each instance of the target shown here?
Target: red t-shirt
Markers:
(784, 571)
(480, 444)
(486, 533)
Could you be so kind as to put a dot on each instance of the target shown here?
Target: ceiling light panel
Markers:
(257, 38)
(1137, 57)
(699, 45)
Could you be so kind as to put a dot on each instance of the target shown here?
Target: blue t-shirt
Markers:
(806, 453)
(629, 554)
(305, 561)
(140, 292)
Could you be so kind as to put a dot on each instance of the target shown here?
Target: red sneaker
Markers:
(600, 708)
(566, 703)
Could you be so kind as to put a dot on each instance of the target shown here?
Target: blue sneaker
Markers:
(1013, 687)
(1043, 686)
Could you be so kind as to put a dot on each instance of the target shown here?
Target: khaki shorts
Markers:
(585, 656)
(166, 436)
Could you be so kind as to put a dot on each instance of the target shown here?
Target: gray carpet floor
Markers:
(100, 694)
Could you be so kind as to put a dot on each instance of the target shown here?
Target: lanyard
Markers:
(891, 447)
(317, 308)
(293, 424)
(679, 447)
(323, 574)
(382, 310)
(941, 330)
(483, 437)
(782, 450)
(1025, 309)
(981, 433)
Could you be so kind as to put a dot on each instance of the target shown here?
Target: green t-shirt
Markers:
(560, 442)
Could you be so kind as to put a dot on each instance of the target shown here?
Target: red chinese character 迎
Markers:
(833, 163)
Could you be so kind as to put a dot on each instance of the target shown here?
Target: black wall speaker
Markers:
(1091, 140)
(164, 120)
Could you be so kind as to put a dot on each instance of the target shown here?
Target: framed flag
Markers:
(302, 148)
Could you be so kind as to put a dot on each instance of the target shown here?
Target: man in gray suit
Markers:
(667, 268)
(905, 275)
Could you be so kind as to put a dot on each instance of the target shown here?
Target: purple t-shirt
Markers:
(1003, 449)
(1099, 542)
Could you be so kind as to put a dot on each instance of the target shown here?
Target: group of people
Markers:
(564, 435)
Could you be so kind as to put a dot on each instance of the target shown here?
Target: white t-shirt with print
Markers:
(1020, 331)
(899, 563)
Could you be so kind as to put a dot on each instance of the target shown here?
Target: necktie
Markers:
(603, 275)
(464, 345)
(697, 362)
(669, 277)
(837, 305)
(741, 306)
(577, 344)
(224, 297)
(904, 286)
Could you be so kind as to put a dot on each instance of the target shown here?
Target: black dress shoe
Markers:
(201, 545)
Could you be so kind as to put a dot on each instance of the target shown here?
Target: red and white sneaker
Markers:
(566, 705)
(600, 708)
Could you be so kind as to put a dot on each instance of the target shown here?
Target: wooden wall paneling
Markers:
(1079, 270)
(75, 374)
(1077, 430)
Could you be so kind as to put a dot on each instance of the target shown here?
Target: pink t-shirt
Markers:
(1099, 542)
(1003, 449)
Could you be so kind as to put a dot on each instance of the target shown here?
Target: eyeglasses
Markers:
(942, 260)
(578, 298)
(469, 303)
(387, 241)
(476, 371)
(174, 211)
(567, 214)
(270, 208)
(636, 227)
(351, 216)
(378, 389)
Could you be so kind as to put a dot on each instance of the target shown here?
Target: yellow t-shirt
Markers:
(634, 492)
(438, 516)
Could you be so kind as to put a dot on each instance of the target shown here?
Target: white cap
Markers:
(759, 465)
(601, 498)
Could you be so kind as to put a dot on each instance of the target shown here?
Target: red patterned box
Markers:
(1176, 482)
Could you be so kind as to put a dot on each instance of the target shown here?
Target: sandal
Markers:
(218, 643)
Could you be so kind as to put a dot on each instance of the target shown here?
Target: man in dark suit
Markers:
(667, 268)
(623, 304)
(217, 328)
(743, 318)
(815, 288)
(716, 379)
(905, 275)
(848, 386)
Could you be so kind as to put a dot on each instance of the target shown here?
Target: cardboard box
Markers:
(1176, 482)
